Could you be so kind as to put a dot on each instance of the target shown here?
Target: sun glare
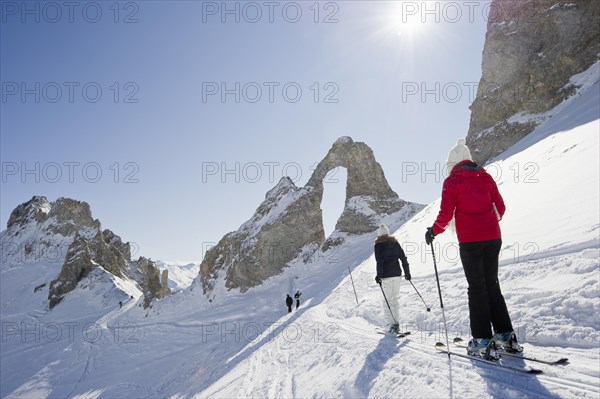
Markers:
(407, 23)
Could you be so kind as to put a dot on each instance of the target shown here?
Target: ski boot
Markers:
(507, 342)
(482, 347)
(394, 328)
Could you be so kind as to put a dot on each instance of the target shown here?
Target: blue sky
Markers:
(173, 119)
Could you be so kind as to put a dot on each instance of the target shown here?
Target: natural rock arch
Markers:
(366, 185)
(288, 224)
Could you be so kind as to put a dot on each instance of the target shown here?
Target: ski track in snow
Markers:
(412, 361)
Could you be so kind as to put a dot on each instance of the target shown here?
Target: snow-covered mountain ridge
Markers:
(59, 244)
(287, 227)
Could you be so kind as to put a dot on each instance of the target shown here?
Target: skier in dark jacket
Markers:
(289, 302)
(471, 197)
(297, 296)
(387, 253)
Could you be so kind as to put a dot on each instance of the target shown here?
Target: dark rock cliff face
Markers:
(289, 224)
(532, 49)
(78, 264)
(82, 256)
(288, 220)
(66, 227)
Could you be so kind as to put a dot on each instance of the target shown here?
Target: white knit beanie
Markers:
(383, 231)
(459, 153)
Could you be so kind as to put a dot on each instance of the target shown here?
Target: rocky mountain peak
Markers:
(69, 211)
(66, 229)
(42, 230)
(284, 186)
(64, 216)
(35, 210)
(288, 224)
(365, 175)
(343, 140)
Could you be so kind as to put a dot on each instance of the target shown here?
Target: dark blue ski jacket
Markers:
(387, 253)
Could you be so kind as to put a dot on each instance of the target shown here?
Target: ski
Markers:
(563, 361)
(497, 363)
(385, 332)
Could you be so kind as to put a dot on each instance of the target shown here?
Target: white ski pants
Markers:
(391, 287)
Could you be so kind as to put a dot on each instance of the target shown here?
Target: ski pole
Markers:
(428, 308)
(441, 301)
(388, 304)
(354, 288)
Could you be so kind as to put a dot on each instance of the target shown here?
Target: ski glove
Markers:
(378, 280)
(429, 236)
(407, 276)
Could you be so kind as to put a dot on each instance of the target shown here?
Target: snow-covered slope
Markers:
(247, 345)
(549, 274)
(181, 274)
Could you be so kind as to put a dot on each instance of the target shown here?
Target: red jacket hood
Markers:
(466, 168)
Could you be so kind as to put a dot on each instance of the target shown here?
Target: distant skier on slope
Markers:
(387, 253)
(289, 302)
(297, 296)
(471, 197)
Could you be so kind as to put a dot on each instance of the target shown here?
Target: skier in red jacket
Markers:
(471, 197)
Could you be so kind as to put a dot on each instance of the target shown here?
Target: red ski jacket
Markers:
(472, 197)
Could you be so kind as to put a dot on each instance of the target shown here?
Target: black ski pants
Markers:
(487, 307)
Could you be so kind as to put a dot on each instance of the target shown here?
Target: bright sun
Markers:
(406, 22)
